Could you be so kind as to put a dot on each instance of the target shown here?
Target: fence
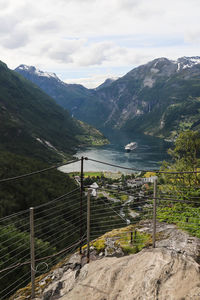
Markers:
(34, 240)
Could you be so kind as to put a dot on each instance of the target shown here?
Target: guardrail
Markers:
(34, 240)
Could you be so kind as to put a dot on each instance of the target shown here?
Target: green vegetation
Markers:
(93, 174)
(122, 239)
(31, 191)
(173, 104)
(185, 216)
(13, 243)
(32, 124)
(183, 187)
(91, 135)
(39, 189)
(186, 157)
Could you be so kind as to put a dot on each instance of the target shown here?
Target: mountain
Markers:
(81, 102)
(159, 98)
(106, 83)
(32, 124)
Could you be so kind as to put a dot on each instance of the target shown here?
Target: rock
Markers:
(168, 236)
(75, 259)
(112, 249)
(151, 274)
(171, 271)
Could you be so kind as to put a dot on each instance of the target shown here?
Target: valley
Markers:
(149, 106)
(160, 98)
(148, 155)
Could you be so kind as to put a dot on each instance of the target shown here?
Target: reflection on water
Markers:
(148, 155)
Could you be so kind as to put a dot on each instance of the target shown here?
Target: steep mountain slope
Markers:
(159, 98)
(81, 102)
(106, 83)
(32, 123)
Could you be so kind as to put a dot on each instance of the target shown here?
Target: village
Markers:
(128, 192)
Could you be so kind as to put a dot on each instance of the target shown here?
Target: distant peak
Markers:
(26, 68)
(188, 62)
(106, 83)
(37, 72)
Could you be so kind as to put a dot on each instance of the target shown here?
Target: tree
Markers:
(187, 149)
(186, 157)
(15, 249)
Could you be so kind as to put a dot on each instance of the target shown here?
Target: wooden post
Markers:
(81, 205)
(154, 212)
(32, 247)
(88, 225)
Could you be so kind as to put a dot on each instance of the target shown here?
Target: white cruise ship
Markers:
(130, 147)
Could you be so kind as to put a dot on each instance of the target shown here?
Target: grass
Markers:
(97, 174)
(114, 195)
(122, 238)
(123, 198)
(93, 174)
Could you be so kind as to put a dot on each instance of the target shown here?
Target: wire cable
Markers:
(140, 170)
(40, 259)
(37, 172)
(56, 199)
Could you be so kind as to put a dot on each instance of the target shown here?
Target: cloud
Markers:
(4, 4)
(92, 81)
(47, 25)
(62, 50)
(79, 34)
(15, 40)
(95, 54)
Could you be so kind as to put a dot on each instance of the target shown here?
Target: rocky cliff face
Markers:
(159, 98)
(151, 274)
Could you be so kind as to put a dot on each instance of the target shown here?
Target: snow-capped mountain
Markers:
(34, 71)
(158, 98)
(187, 62)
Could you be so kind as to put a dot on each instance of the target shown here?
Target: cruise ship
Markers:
(130, 147)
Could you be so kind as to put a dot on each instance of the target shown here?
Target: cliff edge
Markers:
(171, 271)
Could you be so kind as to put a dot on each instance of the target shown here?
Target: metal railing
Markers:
(60, 226)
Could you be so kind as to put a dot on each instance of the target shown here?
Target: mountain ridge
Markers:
(159, 98)
(32, 124)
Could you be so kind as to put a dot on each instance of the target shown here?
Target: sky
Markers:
(87, 41)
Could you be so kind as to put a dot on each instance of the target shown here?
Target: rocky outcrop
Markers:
(152, 274)
(168, 272)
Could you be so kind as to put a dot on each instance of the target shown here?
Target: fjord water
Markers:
(148, 155)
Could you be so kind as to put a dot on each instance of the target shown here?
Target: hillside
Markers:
(82, 103)
(159, 98)
(32, 123)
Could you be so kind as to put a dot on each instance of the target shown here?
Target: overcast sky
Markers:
(86, 41)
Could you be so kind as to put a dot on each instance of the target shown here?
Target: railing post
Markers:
(32, 248)
(131, 237)
(88, 225)
(81, 205)
(154, 212)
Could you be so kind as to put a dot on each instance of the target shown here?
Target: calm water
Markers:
(148, 155)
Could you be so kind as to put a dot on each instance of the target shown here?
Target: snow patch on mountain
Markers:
(38, 72)
(188, 62)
